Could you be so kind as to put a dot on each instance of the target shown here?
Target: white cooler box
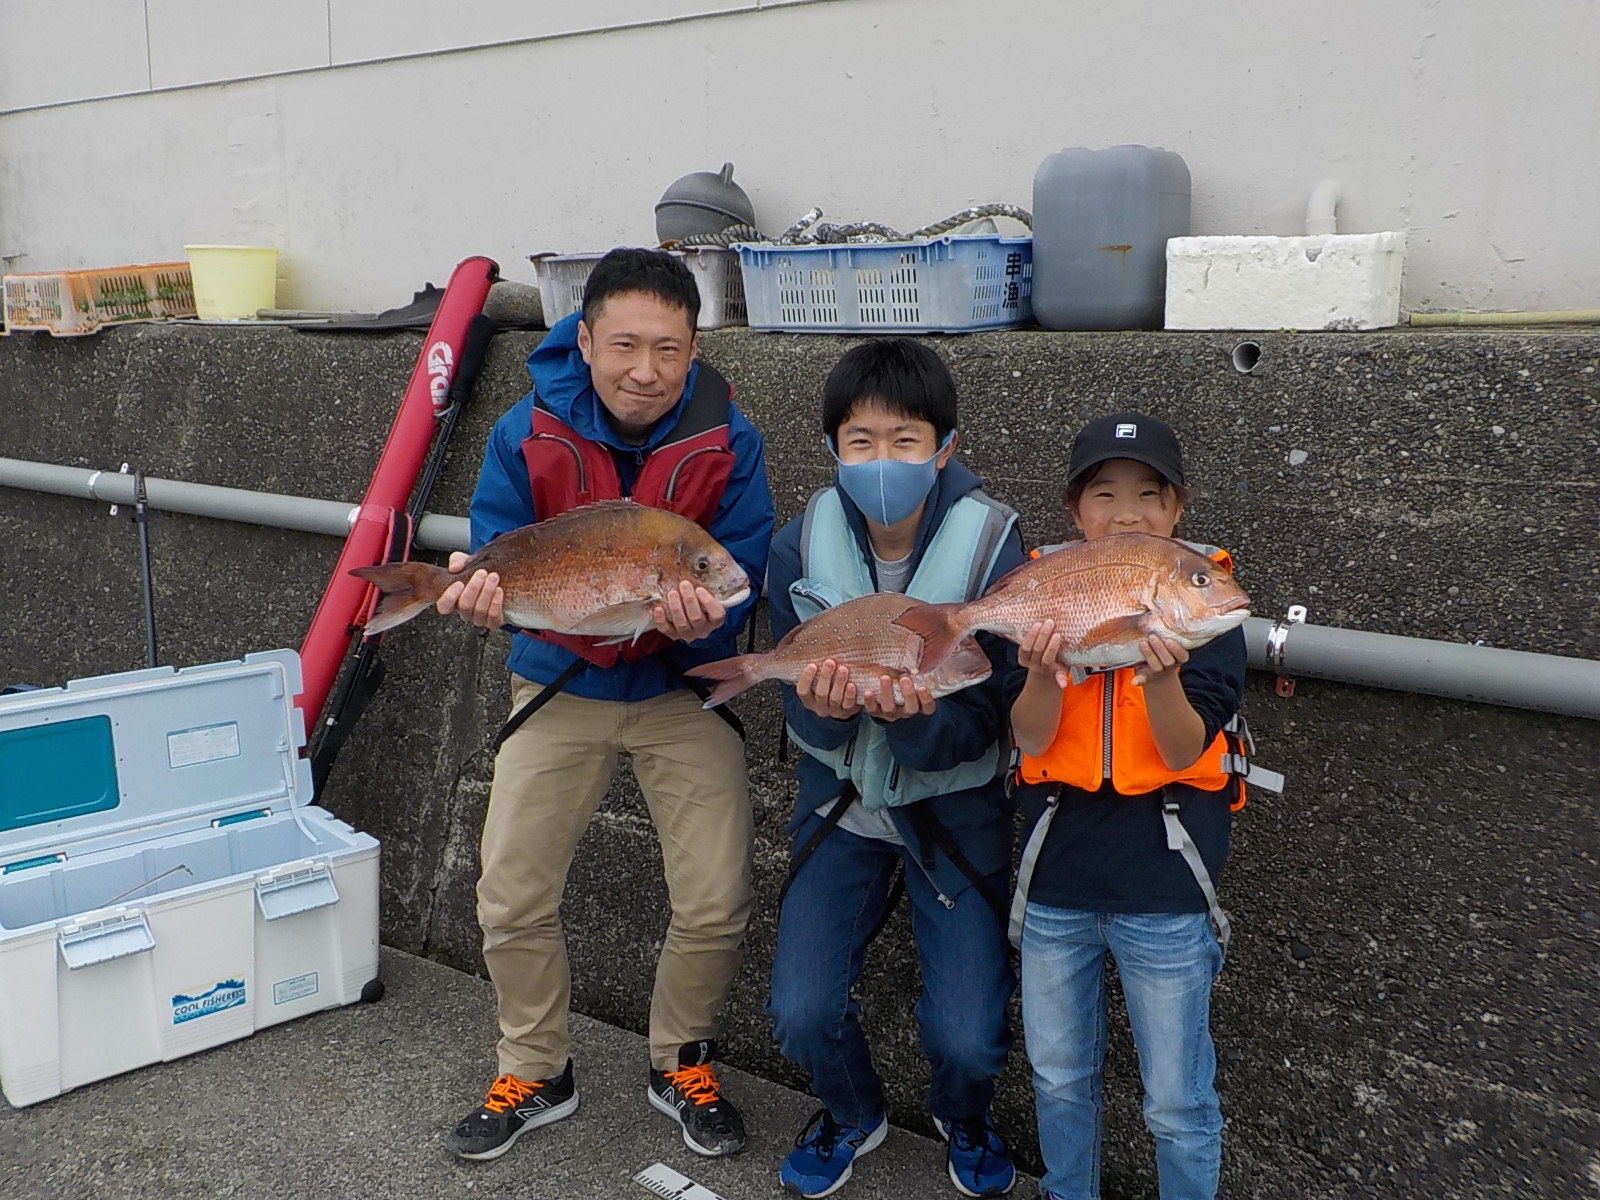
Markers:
(164, 884)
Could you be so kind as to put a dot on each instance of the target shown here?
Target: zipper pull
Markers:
(946, 901)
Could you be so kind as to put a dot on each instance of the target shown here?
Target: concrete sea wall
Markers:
(1411, 1003)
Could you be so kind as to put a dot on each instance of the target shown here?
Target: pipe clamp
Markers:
(1277, 642)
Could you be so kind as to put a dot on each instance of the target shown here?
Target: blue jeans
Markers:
(835, 903)
(1166, 962)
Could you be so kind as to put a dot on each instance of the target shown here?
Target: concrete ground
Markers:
(356, 1102)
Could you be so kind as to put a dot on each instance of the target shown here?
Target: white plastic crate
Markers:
(716, 272)
(164, 886)
(952, 284)
(73, 303)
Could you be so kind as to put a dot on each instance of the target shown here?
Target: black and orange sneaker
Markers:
(513, 1107)
(711, 1124)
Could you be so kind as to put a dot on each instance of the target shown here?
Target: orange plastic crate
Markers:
(73, 303)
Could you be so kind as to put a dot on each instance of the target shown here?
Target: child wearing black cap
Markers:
(1127, 780)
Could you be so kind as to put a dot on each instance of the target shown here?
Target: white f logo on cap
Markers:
(1127, 431)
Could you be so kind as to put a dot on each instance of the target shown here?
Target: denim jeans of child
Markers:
(1166, 962)
(833, 906)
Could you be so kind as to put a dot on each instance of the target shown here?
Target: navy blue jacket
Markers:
(743, 521)
(962, 726)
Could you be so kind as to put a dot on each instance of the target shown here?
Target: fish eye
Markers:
(702, 564)
(1200, 579)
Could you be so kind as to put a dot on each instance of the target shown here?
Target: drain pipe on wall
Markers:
(1513, 678)
(1459, 671)
(1321, 209)
(1569, 316)
(331, 517)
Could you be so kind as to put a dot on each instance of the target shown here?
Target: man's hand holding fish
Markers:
(688, 613)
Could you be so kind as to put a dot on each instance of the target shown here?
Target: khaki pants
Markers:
(549, 779)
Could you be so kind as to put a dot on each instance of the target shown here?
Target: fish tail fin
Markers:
(404, 589)
(940, 627)
(732, 676)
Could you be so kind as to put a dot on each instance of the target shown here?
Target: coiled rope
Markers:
(811, 230)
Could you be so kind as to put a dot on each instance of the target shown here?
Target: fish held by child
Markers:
(1104, 595)
(859, 634)
(598, 570)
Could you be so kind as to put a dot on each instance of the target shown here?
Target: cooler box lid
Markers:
(159, 749)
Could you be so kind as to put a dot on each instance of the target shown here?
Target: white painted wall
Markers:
(378, 142)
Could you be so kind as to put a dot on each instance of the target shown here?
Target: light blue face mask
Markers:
(888, 490)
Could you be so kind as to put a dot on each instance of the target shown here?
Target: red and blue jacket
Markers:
(563, 402)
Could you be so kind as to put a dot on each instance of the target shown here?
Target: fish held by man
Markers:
(598, 570)
(1104, 595)
(859, 634)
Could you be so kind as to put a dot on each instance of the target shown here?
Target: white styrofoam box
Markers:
(164, 884)
(1333, 281)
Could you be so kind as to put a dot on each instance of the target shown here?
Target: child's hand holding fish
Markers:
(826, 690)
(1162, 658)
(1040, 653)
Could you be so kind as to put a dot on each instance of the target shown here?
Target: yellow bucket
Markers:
(232, 282)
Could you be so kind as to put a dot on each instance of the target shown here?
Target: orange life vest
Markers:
(1104, 733)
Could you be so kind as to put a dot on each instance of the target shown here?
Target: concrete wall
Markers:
(1411, 1004)
(373, 141)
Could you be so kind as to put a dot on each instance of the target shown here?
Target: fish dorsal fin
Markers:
(583, 511)
(1132, 550)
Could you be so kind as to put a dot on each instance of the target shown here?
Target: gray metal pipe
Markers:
(1515, 678)
(434, 531)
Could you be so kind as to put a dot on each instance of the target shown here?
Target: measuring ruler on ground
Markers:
(664, 1181)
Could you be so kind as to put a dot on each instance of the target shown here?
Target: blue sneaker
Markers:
(824, 1153)
(978, 1160)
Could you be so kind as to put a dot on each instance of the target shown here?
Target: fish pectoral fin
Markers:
(618, 622)
(1118, 629)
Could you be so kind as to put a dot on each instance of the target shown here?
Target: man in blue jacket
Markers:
(915, 787)
(619, 408)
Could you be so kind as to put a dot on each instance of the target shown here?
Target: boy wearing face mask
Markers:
(891, 791)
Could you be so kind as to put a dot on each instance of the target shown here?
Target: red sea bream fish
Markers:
(598, 571)
(1104, 595)
(859, 634)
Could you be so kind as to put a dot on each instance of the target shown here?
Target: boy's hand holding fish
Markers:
(825, 688)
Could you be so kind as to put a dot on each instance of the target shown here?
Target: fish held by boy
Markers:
(859, 634)
(1105, 595)
(598, 570)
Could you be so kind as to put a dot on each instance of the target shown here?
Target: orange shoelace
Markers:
(697, 1083)
(507, 1092)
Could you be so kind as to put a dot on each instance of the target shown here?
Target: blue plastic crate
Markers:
(944, 285)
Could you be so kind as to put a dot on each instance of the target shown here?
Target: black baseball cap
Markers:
(1127, 435)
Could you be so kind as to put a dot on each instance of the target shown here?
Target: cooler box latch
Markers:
(117, 936)
(296, 889)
